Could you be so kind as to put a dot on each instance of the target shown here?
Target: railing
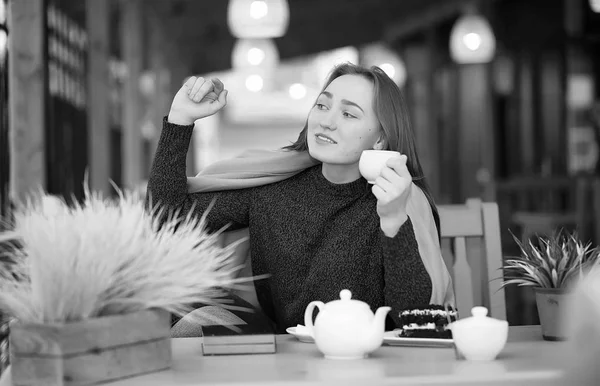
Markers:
(534, 204)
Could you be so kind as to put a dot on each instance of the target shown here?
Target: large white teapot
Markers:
(346, 328)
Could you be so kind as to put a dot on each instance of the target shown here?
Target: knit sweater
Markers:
(311, 236)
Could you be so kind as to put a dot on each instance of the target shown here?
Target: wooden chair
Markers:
(468, 232)
(473, 253)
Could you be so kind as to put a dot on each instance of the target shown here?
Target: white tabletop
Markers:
(526, 360)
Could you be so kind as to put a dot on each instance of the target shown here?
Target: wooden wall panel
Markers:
(552, 102)
(132, 51)
(27, 80)
(98, 84)
(476, 129)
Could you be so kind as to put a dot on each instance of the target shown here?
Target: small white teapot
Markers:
(346, 328)
(479, 337)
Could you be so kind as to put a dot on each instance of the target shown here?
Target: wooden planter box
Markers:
(92, 351)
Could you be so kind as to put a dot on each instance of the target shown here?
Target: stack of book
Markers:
(236, 331)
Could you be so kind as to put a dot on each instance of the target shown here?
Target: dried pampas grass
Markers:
(106, 257)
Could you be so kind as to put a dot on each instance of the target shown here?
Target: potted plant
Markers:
(4, 320)
(553, 266)
(92, 286)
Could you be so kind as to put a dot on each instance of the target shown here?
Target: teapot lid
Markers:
(479, 319)
(346, 304)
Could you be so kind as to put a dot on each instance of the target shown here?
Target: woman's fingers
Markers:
(196, 83)
(197, 98)
(219, 87)
(202, 91)
(223, 98)
(398, 164)
(378, 192)
(189, 84)
(196, 87)
(213, 95)
(199, 88)
(384, 184)
(391, 175)
(219, 103)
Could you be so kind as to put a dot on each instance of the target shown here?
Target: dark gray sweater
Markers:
(312, 236)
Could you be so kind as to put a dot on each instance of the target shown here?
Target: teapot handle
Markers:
(308, 322)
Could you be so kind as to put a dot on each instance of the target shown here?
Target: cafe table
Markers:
(526, 360)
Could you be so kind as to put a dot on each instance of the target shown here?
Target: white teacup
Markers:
(372, 161)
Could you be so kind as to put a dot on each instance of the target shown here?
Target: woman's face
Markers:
(342, 123)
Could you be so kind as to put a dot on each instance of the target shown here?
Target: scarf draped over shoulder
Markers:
(260, 167)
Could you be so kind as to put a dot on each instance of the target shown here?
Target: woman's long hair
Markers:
(392, 112)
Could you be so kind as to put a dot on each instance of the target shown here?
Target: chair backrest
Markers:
(473, 253)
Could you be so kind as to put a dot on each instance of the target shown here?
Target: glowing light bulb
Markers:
(258, 9)
(256, 56)
(297, 91)
(472, 41)
(257, 19)
(254, 83)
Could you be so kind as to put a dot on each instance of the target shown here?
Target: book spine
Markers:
(239, 339)
(239, 349)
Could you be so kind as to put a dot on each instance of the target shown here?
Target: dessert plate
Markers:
(300, 333)
(391, 338)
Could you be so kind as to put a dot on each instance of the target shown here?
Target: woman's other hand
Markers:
(392, 189)
(196, 99)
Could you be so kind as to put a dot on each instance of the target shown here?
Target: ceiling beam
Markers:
(200, 32)
(418, 21)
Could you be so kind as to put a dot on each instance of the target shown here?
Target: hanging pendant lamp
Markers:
(254, 53)
(258, 18)
(472, 40)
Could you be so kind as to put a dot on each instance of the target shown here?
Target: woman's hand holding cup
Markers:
(197, 98)
(391, 180)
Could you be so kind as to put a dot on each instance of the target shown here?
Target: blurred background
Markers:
(501, 93)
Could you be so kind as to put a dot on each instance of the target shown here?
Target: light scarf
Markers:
(260, 167)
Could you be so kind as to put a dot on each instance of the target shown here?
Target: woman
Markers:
(316, 226)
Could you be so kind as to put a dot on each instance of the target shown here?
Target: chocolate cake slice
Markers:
(427, 321)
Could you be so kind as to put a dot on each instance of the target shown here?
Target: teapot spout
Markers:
(377, 328)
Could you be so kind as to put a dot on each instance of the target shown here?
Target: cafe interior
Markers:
(504, 102)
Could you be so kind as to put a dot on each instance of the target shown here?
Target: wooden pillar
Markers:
(418, 59)
(97, 15)
(27, 90)
(132, 50)
(552, 100)
(446, 98)
(160, 49)
(476, 131)
(170, 69)
(526, 116)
